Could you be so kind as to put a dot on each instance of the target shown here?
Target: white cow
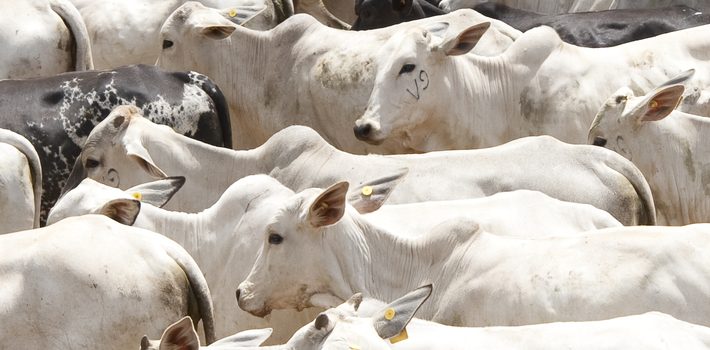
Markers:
(126, 32)
(41, 38)
(181, 335)
(301, 72)
(92, 283)
(317, 250)
(20, 183)
(429, 96)
(649, 331)
(126, 149)
(567, 6)
(669, 147)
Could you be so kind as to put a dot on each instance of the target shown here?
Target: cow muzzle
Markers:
(248, 302)
(369, 132)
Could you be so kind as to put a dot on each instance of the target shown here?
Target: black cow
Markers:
(57, 113)
(602, 28)
(373, 14)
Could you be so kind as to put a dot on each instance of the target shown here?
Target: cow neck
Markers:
(385, 266)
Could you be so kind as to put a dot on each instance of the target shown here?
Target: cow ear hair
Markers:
(180, 335)
(464, 41)
(370, 196)
(394, 317)
(124, 211)
(661, 103)
(329, 207)
(217, 31)
(158, 192)
(242, 14)
(403, 6)
(136, 151)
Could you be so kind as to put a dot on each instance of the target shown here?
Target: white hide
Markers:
(125, 32)
(128, 149)
(92, 283)
(539, 86)
(483, 279)
(669, 147)
(224, 240)
(20, 183)
(41, 38)
(301, 72)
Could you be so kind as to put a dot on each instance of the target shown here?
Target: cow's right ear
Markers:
(137, 152)
(393, 319)
(661, 103)
(124, 211)
(159, 192)
(180, 336)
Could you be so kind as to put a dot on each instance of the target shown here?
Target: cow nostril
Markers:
(363, 131)
(599, 141)
(239, 293)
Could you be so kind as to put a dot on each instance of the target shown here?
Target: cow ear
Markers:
(180, 336)
(217, 32)
(240, 15)
(159, 192)
(124, 211)
(392, 320)
(403, 6)
(464, 41)
(662, 103)
(329, 207)
(250, 338)
(136, 151)
(372, 195)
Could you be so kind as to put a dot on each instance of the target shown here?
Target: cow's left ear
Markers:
(462, 42)
(329, 207)
(136, 151)
(372, 195)
(661, 103)
(124, 211)
(159, 192)
(240, 15)
(180, 335)
(392, 320)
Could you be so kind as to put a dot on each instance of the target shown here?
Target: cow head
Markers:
(115, 154)
(92, 197)
(623, 114)
(181, 335)
(413, 71)
(296, 267)
(192, 31)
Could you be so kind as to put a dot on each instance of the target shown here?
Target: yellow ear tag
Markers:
(389, 314)
(653, 104)
(233, 13)
(399, 337)
(137, 195)
(353, 347)
(367, 190)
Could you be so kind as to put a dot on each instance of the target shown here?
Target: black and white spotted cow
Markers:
(57, 113)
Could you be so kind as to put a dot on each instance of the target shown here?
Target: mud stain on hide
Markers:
(340, 70)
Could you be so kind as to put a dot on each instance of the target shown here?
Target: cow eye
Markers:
(275, 238)
(167, 44)
(599, 141)
(407, 68)
(92, 163)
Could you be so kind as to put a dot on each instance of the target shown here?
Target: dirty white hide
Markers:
(41, 38)
(317, 250)
(299, 73)
(429, 95)
(126, 149)
(20, 183)
(92, 283)
(126, 32)
(668, 146)
(652, 330)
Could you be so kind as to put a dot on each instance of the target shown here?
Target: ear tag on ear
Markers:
(233, 13)
(653, 104)
(353, 347)
(137, 195)
(399, 337)
(367, 191)
(389, 314)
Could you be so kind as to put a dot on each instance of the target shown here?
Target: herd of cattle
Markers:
(520, 174)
